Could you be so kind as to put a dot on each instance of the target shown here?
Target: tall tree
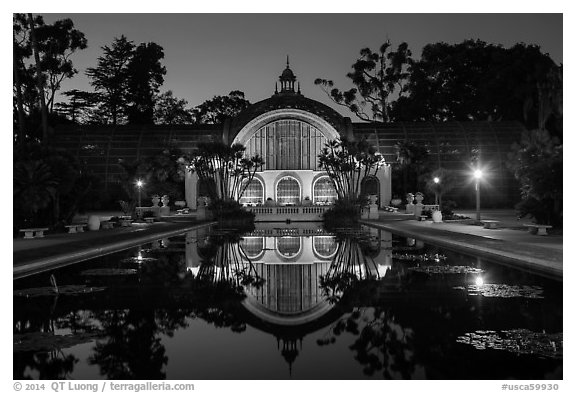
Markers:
(57, 43)
(39, 79)
(377, 75)
(79, 106)
(18, 88)
(110, 78)
(474, 80)
(171, 110)
(25, 85)
(145, 76)
(219, 108)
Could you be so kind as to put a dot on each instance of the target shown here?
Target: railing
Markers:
(430, 208)
(304, 213)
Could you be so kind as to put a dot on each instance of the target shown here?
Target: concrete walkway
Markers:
(510, 244)
(32, 256)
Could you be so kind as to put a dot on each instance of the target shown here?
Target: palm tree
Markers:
(35, 187)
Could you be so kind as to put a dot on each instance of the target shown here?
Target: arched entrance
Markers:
(370, 186)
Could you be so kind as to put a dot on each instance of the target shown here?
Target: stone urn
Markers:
(419, 197)
(410, 198)
(436, 216)
(93, 223)
(155, 200)
(165, 200)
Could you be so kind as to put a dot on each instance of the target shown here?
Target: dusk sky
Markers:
(212, 54)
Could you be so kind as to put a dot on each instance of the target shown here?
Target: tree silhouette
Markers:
(377, 75)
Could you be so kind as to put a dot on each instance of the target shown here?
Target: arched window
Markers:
(324, 191)
(253, 194)
(325, 246)
(287, 144)
(252, 246)
(288, 246)
(288, 191)
(370, 186)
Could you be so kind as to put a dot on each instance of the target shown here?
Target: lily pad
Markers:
(139, 260)
(46, 342)
(109, 272)
(519, 341)
(70, 290)
(446, 269)
(420, 257)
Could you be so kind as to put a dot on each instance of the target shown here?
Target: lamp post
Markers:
(478, 177)
(436, 181)
(139, 184)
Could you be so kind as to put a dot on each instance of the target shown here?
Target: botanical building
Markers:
(288, 130)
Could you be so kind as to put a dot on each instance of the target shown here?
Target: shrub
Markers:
(540, 211)
(344, 213)
(148, 214)
(231, 213)
(447, 208)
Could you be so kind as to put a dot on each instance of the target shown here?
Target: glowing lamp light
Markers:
(436, 180)
(139, 183)
(478, 174)
(479, 281)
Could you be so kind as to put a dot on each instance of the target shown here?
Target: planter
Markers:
(93, 223)
(396, 202)
(436, 216)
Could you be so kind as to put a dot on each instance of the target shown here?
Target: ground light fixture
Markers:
(477, 177)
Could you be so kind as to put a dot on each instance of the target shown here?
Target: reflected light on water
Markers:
(479, 281)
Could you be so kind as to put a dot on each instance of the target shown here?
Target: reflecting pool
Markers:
(287, 301)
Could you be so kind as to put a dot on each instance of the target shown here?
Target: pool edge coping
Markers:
(43, 264)
(509, 258)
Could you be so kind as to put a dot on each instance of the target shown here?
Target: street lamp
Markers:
(139, 184)
(478, 177)
(436, 181)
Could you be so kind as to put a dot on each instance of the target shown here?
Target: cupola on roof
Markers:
(287, 80)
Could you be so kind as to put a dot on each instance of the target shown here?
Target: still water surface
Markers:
(287, 302)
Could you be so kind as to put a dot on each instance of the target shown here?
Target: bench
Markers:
(31, 233)
(490, 224)
(106, 224)
(422, 218)
(537, 229)
(74, 228)
(149, 220)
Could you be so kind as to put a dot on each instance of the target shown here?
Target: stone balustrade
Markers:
(283, 213)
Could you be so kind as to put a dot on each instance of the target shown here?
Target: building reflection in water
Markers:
(294, 264)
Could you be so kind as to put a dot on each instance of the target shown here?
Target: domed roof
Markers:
(287, 74)
(287, 101)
